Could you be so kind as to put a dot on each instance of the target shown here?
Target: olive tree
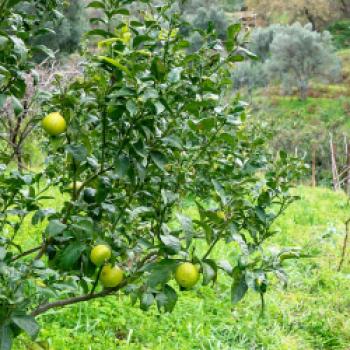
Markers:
(148, 127)
(261, 40)
(299, 54)
(249, 76)
(203, 13)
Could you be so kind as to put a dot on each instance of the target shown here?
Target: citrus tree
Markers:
(148, 128)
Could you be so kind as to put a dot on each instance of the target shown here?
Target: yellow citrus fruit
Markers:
(111, 276)
(54, 124)
(186, 275)
(78, 185)
(100, 254)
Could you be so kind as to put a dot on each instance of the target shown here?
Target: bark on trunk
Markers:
(303, 89)
(310, 18)
(19, 160)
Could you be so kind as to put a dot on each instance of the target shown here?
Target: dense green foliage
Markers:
(21, 23)
(340, 31)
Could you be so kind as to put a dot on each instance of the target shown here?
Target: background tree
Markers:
(200, 13)
(298, 54)
(249, 76)
(340, 31)
(261, 40)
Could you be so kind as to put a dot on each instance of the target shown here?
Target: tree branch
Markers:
(69, 301)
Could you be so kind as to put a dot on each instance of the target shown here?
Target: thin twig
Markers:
(28, 252)
(211, 247)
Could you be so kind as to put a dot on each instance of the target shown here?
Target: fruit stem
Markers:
(96, 280)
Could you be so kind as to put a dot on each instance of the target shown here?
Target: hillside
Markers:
(301, 126)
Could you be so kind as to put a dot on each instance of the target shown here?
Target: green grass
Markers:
(313, 312)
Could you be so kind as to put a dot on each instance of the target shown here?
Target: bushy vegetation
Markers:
(340, 31)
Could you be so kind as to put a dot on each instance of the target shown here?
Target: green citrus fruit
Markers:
(89, 195)
(111, 276)
(54, 124)
(221, 215)
(186, 275)
(100, 254)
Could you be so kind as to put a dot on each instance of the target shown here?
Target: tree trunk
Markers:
(310, 18)
(303, 89)
(335, 174)
(19, 159)
(313, 175)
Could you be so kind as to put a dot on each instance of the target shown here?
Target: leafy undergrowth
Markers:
(313, 312)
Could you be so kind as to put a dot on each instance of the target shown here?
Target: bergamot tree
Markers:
(148, 127)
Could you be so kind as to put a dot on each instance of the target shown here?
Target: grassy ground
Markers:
(312, 313)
